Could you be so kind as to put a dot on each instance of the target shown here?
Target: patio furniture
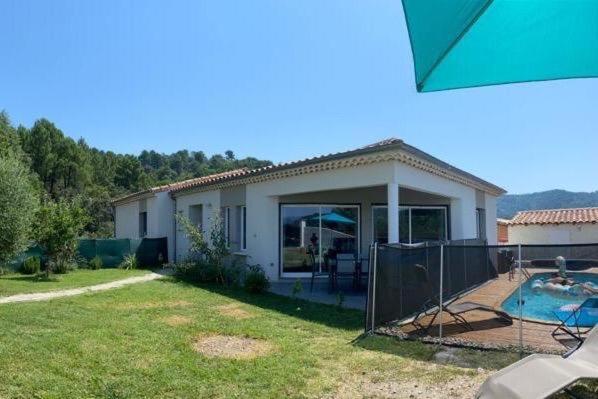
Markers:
(540, 376)
(577, 320)
(315, 270)
(342, 265)
(455, 310)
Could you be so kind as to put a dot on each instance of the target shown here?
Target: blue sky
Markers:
(281, 80)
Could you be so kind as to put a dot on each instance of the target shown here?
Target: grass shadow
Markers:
(416, 350)
(32, 278)
(329, 315)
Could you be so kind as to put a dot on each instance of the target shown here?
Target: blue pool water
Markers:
(539, 304)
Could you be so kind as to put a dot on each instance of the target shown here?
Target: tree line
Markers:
(62, 169)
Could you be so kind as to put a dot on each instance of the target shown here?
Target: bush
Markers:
(18, 204)
(57, 228)
(198, 271)
(31, 265)
(256, 280)
(129, 263)
(60, 266)
(210, 256)
(234, 274)
(95, 263)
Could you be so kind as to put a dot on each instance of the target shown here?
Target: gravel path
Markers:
(46, 296)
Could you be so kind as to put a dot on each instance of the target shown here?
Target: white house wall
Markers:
(554, 234)
(263, 199)
(490, 207)
(210, 201)
(126, 220)
(161, 220)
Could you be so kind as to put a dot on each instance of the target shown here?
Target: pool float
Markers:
(584, 289)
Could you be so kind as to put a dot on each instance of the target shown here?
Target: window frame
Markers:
(410, 208)
(226, 224)
(243, 226)
(142, 224)
(319, 205)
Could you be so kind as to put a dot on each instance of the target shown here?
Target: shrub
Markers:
(57, 228)
(59, 266)
(210, 256)
(129, 263)
(31, 265)
(234, 274)
(256, 280)
(95, 263)
(18, 204)
(297, 288)
(197, 271)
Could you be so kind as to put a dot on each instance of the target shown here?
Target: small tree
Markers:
(57, 228)
(214, 252)
(18, 204)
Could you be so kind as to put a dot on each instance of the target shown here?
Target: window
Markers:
(310, 232)
(196, 216)
(480, 216)
(226, 224)
(416, 224)
(243, 228)
(142, 224)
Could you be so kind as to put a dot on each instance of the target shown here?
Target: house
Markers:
(554, 226)
(339, 202)
(502, 231)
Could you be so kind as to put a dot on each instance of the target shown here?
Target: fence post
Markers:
(520, 301)
(441, 299)
(374, 287)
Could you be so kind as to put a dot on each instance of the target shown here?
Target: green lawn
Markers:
(12, 284)
(138, 342)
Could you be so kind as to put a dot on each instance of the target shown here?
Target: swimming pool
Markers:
(539, 305)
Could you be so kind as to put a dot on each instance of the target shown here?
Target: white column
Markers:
(392, 193)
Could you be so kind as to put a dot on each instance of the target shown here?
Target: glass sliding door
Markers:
(416, 224)
(320, 229)
(300, 227)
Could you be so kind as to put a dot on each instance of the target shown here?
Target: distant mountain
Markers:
(509, 205)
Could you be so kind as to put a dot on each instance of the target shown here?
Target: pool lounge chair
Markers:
(455, 310)
(540, 376)
(577, 320)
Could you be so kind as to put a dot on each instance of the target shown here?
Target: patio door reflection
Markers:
(312, 232)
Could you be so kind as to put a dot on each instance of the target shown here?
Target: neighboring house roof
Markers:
(502, 222)
(178, 185)
(386, 150)
(556, 216)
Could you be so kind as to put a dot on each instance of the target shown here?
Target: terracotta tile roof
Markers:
(388, 144)
(185, 184)
(556, 216)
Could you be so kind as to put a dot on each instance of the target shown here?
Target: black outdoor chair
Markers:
(342, 265)
(455, 310)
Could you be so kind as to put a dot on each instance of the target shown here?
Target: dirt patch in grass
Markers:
(153, 305)
(231, 347)
(177, 320)
(233, 310)
(458, 386)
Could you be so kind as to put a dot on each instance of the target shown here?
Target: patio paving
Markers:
(351, 299)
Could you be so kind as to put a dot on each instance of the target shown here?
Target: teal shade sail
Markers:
(470, 43)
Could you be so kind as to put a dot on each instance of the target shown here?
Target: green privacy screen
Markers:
(469, 43)
(150, 252)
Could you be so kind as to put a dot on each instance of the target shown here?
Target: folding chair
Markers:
(577, 320)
